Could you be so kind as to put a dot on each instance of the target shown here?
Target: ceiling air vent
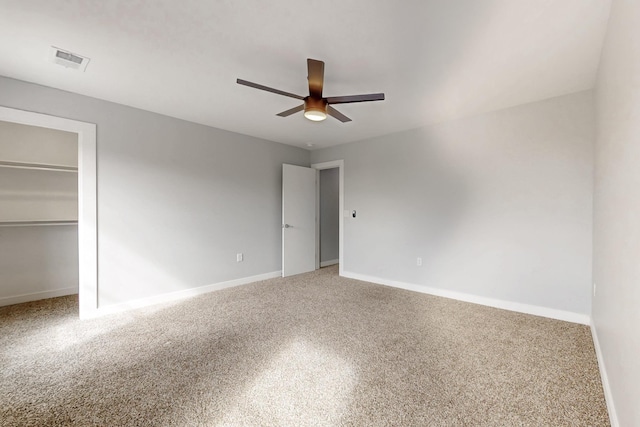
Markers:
(68, 59)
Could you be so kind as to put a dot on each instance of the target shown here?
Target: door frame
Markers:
(331, 165)
(87, 198)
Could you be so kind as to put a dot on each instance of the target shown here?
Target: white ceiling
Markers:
(435, 60)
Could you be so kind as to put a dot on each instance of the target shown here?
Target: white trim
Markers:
(567, 316)
(608, 396)
(331, 165)
(35, 296)
(87, 196)
(318, 219)
(182, 294)
(330, 262)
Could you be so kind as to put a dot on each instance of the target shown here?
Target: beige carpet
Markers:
(311, 350)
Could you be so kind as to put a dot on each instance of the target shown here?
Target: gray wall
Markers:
(329, 214)
(616, 304)
(39, 262)
(33, 144)
(497, 205)
(176, 200)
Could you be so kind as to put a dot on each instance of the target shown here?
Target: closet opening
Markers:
(48, 215)
(38, 213)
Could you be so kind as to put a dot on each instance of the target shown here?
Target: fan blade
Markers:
(355, 98)
(337, 114)
(315, 77)
(291, 111)
(268, 89)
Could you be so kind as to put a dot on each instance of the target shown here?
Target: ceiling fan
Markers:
(315, 106)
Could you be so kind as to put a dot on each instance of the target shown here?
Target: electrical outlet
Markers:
(239, 257)
(419, 262)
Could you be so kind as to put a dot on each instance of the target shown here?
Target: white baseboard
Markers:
(35, 296)
(552, 313)
(330, 262)
(613, 416)
(177, 295)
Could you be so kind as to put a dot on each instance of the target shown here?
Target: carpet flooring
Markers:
(310, 350)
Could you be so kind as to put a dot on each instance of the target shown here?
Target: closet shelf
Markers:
(37, 166)
(37, 223)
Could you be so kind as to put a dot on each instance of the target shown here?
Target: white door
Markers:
(298, 220)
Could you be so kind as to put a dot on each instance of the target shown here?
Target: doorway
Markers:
(329, 215)
(87, 197)
(300, 217)
(333, 227)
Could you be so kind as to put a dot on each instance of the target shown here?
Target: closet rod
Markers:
(32, 223)
(40, 166)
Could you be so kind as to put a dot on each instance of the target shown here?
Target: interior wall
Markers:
(498, 205)
(176, 200)
(329, 216)
(33, 144)
(616, 304)
(37, 261)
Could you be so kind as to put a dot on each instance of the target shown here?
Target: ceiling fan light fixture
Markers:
(315, 109)
(315, 116)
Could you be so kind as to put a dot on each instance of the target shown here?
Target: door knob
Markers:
(287, 226)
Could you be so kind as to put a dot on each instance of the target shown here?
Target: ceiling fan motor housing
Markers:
(315, 108)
